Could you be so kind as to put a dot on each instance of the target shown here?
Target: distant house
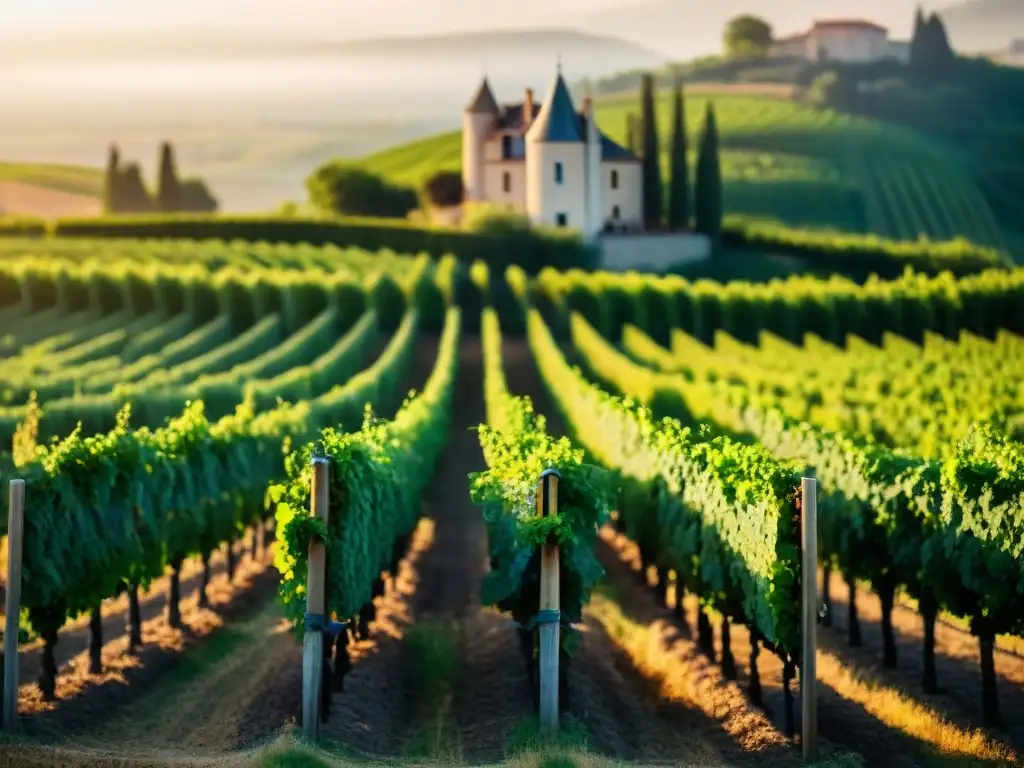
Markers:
(845, 40)
(551, 161)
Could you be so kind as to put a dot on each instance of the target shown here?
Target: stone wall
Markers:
(651, 252)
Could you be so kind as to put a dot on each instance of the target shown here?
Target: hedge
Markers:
(867, 253)
(498, 252)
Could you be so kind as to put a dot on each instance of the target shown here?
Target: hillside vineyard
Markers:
(790, 163)
(162, 399)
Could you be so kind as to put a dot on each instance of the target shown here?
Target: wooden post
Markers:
(809, 619)
(15, 533)
(550, 604)
(316, 578)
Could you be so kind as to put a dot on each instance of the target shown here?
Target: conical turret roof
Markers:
(557, 120)
(484, 103)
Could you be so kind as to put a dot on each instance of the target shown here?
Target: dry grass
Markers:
(898, 711)
(682, 676)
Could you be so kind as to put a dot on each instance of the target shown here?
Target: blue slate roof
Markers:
(558, 119)
(612, 151)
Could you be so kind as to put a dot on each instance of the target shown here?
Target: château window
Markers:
(615, 210)
(506, 147)
(559, 177)
(506, 181)
(615, 179)
(561, 219)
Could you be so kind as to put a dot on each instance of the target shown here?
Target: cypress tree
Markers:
(111, 200)
(652, 191)
(168, 191)
(678, 202)
(918, 44)
(132, 194)
(940, 51)
(709, 207)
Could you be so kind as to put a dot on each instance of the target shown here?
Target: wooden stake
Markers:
(809, 619)
(550, 589)
(316, 578)
(15, 533)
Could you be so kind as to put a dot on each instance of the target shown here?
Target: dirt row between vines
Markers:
(444, 676)
(860, 703)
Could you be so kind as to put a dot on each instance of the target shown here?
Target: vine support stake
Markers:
(15, 534)
(550, 604)
(809, 619)
(316, 578)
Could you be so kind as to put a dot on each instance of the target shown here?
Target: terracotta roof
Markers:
(558, 120)
(484, 102)
(848, 24)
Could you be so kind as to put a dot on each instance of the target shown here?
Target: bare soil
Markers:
(440, 586)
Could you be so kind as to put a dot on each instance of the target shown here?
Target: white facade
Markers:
(550, 161)
(845, 41)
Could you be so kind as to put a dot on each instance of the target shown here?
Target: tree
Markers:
(632, 144)
(916, 41)
(652, 191)
(110, 180)
(345, 189)
(444, 189)
(195, 197)
(678, 193)
(941, 51)
(168, 190)
(708, 205)
(132, 196)
(826, 90)
(931, 56)
(747, 37)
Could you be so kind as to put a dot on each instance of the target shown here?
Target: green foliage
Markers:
(444, 189)
(826, 90)
(517, 450)
(110, 179)
(679, 192)
(747, 37)
(950, 530)
(377, 476)
(346, 189)
(168, 189)
(652, 188)
(708, 207)
(537, 248)
(791, 308)
(821, 171)
(723, 515)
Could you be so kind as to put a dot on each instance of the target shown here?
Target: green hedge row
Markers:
(867, 253)
(531, 252)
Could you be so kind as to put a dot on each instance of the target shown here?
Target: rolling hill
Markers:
(782, 161)
(49, 190)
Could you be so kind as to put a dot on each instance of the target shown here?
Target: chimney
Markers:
(528, 109)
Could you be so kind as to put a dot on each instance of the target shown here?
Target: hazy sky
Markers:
(340, 19)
